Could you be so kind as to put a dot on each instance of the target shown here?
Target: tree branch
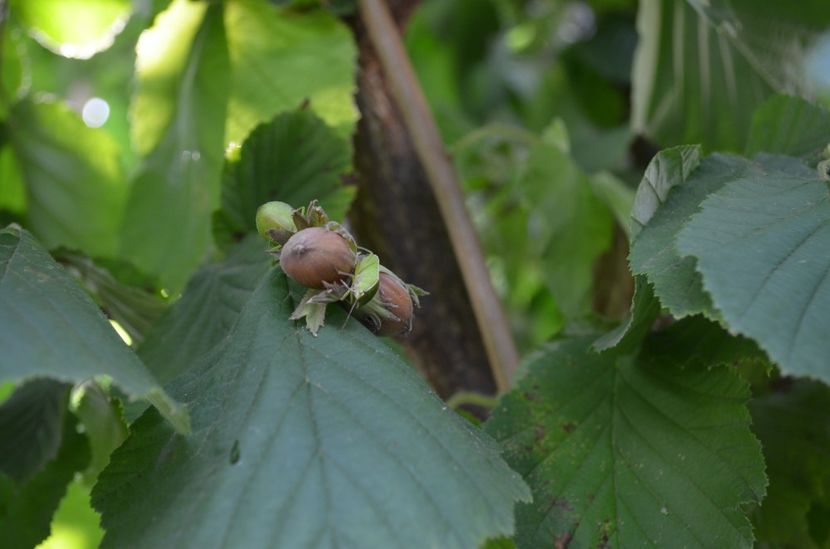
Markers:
(406, 90)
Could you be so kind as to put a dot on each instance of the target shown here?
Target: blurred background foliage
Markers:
(551, 109)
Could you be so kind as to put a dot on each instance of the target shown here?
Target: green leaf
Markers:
(31, 427)
(622, 451)
(101, 418)
(207, 311)
(50, 328)
(73, 28)
(570, 227)
(295, 158)
(15, 76)
(616, 195)
(26, 509)
(75, 523)
(654, 252)
(668, 169)
(71, 173)
(366, 277)
(135, 309)
(789, 125)
(792, 425)
(761, 244)
(644, 309)
(302, 441)
(702, 343)
(165, 53)
(12, 188)
(702, 68)
(282, 58)
(178, 115)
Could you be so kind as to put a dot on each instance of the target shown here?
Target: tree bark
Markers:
(396, 215)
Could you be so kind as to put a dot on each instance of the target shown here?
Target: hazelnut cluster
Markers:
(323, 256)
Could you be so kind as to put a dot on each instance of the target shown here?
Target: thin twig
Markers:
(492, 322)
(472, 398)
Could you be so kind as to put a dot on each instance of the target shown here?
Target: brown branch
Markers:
(492, 323)
(396, 215)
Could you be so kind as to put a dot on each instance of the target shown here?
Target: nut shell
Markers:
(395, 298)
(316, 256)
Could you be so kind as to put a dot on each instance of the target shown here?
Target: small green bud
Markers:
(274, 221)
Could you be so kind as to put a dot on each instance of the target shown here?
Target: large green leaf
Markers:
(761, 242)
(178, 115)
(794, 427)
(294, 158)
(74, 183)
(622, 451)
(74, 28)
(50, 328)
(31, 427)
(26, 508)
(702, 68)
(207, 311)
(303, 441)
(654, 252)
(789, 125)
(569, 227)
(282, 58)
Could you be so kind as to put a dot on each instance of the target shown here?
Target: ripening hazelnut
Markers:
(316, 256)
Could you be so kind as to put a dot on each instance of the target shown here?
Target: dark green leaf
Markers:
(208, 309)
(789, 125)
(622, 451)
(499, 543)
(701, 342)
(302, 441)
(31, 426)
(26, 509)
(282, 58)
(702, 68)
(49, 327)
(74, 182)
(295, 158)
(178, 116)
(793, 423)
(654, 251)
(761, 242)
(73, 29)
